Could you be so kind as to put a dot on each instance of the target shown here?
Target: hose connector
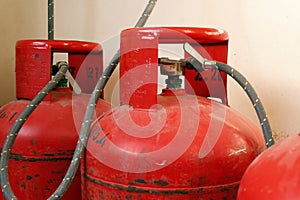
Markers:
(68, 75)
(205, 63)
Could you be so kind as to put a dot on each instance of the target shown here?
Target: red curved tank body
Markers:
(176, 145)
(44, 147)
(275, 174)
(46, 142)
(190, 176)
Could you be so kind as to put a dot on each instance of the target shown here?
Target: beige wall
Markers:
(18, 19)
(264, 41)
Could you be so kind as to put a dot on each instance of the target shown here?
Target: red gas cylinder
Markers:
(175, 145)
(45, 144)
(275, 174)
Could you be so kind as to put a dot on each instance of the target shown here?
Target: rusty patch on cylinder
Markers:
(19, 157)
(157, 182)
(133, 189)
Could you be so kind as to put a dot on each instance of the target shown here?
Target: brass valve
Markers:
(177, 67)
(171, 67)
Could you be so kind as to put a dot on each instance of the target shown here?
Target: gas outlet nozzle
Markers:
(197, 62)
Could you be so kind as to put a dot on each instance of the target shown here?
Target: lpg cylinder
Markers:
(275, 174)
(175, 145)
(45, 144)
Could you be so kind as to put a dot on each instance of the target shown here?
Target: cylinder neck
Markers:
(173, 82)
(173, 92)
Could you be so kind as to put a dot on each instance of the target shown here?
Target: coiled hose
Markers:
(242, 81)
(260, 111)
(14, 130)
(84, 132)
(86, 123)
(50, 20)
(200, 64)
